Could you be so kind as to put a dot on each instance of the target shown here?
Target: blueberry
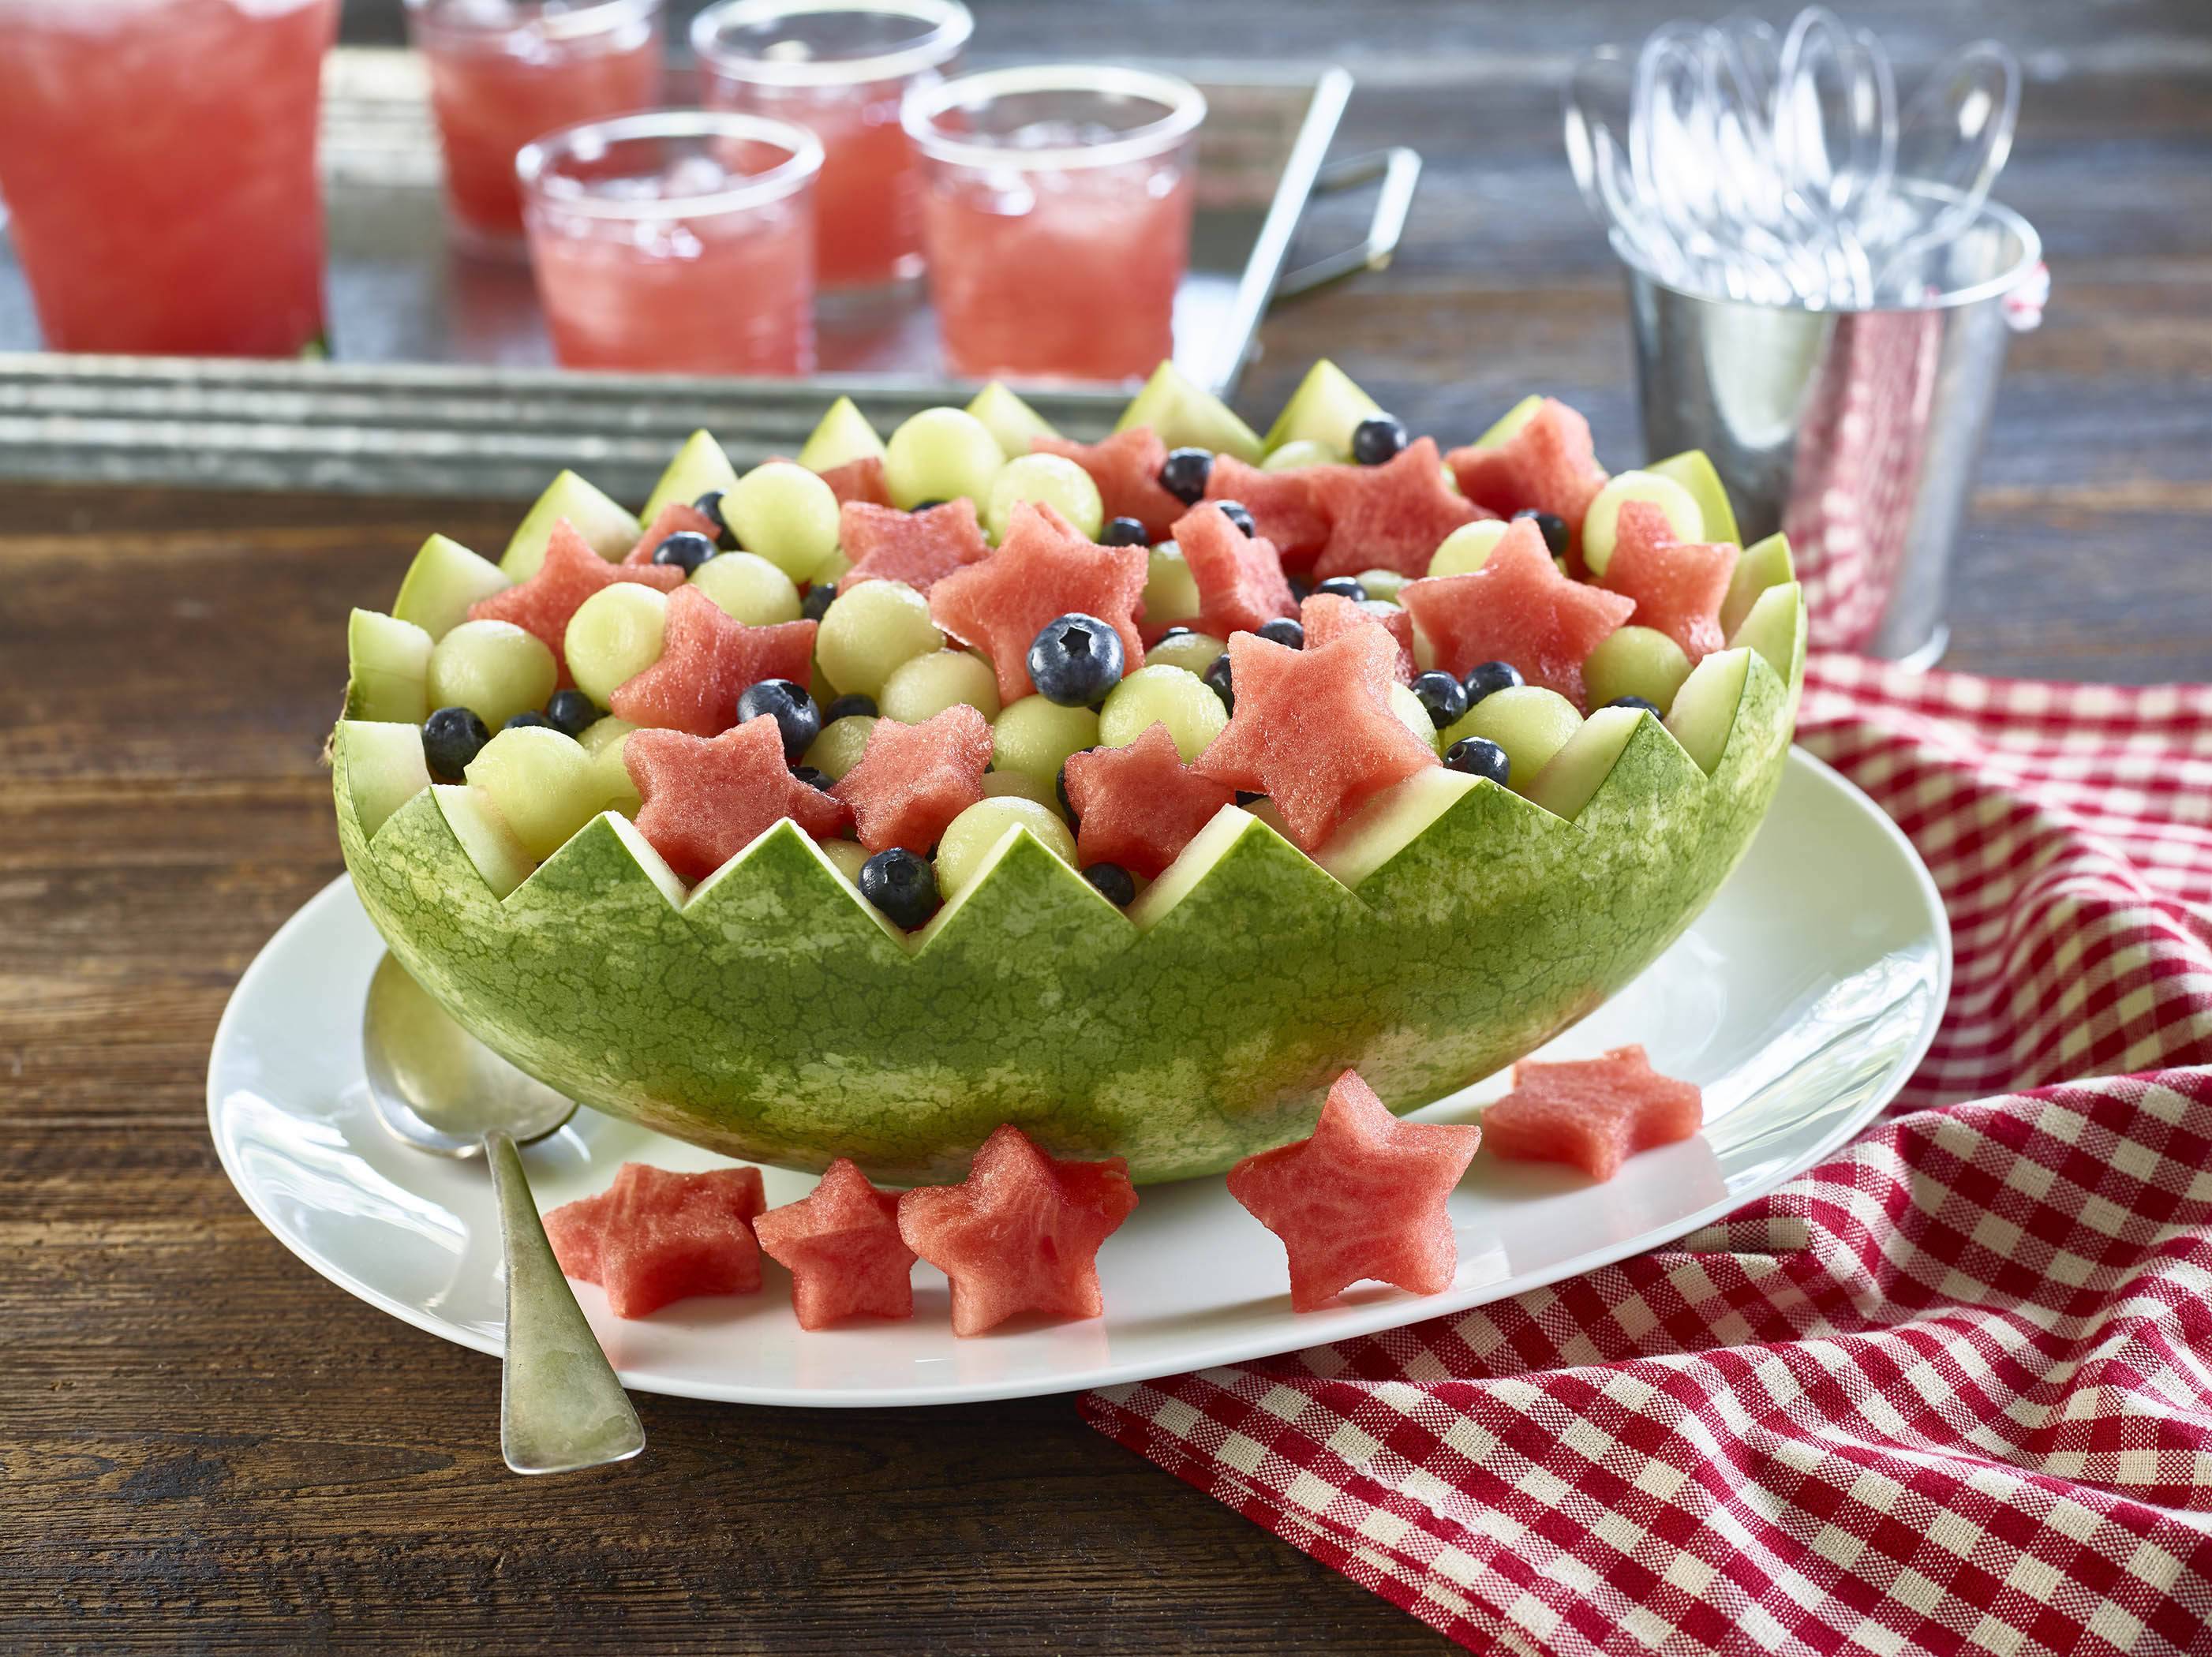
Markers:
(1124, 532)
(1075, 660)
(925, 506)
(1184, 474)
(1217, 679)
(1444, 697)
(1378, 439)
(711, 504)
(819, 597)
(903, 884)
(528, 717)
(811, 777)
(1237, 513)
(1118, 885)
(687, 549)
(1552, 527)
(1246, 796)
(1478, 756)
(790, 707)
(1173, 633)
(1301, 588)
(1344, 587)
(1060, 788)
(451, 737)
(1488, 677)
(572, 712)
(1645, 703)
(847, 708)
(1282, 630)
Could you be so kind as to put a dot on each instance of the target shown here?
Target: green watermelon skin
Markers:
(777, 1018)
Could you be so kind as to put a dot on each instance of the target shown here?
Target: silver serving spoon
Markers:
(438, 1088)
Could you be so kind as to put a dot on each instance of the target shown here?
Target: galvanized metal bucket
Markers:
(1856, 432)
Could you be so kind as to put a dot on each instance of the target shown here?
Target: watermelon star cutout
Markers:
(1139, 806)
(1363, 1198)
(1591, 1113)
(918, 548)
(1239, 576)
(1325, 615)
(859, 480)
(1313, 728)
(707, 660)
(1549, 464)
(840, 1243)
(1517, 608)
(1043, 569)
(571, 573)
(1389, 517)
(1282, 505)
(652, 1236)
(913, 779)
(708, 799)
(1678, 586)
(675, 517)
(1021, 1233)
(1126, 467)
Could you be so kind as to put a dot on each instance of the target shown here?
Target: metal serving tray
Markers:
(439, 379)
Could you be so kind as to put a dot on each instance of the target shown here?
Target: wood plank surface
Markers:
(203, 1446)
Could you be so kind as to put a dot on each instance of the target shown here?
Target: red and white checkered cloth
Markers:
(1951, 1392)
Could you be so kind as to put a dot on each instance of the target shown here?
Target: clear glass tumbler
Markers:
(841, 69)
(503, 72)
(675, 241)
(158, 158)
(1058, 207)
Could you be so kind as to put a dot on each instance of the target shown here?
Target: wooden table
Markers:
(204, 1445)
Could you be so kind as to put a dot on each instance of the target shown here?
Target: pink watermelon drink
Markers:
(677, 242)
(840, 67)
(158, 158)
(1058, 212)
(503, 72)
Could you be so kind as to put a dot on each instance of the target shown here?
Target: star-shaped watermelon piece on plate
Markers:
(1043, 568)
(571, 573)
(859, 480)
(913, 779)
(1389, 517)
(1021, 1233)
(918, 548)
(1313, 728)
(840, 1243)
(1281, 503)
(1325, 615)
(1591, 1113)
(654, 1236)
(1678, 586)
(675, 517)
(1240, 576)
(1139, 805)
(1517, 608)
(708, 658)
(1126, 467)
(708, 797)
(1549, 464)
(1363, 1198)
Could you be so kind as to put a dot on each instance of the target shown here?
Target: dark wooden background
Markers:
(206, 1446)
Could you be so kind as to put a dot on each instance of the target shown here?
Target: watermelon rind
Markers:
(841, 436)
(606, 527)
(1324, 409)
(1501, 430)
(443, 582)
(387, 665)
(772, 1014)
(1693, 469)
(1183, 415)
(700, 468)
(1009, 419)
(1763, 564)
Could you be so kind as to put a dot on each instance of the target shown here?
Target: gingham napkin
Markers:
(1951, 1392)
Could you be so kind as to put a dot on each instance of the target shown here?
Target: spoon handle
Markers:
(561, 1407)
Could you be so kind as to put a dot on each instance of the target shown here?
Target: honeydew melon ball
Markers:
(938, 453)
(1193, 652)
(615, 634)
(542, 782)
(1170, 589)
(1302, 452)
(1414, 714)
(1636, 661)
(494, 669)
(1172, 696)
(1468, 548)
(1045, 480)
(784, 513)
(926, 686)
(841, 744)
(602, 742)
(868, 632)
(848, 856)
(969, 838)
(746, 587)
(1019, 784)
(1602, 524)
(1034, 736)
(1529, 723)
(1383, 583)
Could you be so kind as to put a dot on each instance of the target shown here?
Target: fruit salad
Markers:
(1128, 790)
